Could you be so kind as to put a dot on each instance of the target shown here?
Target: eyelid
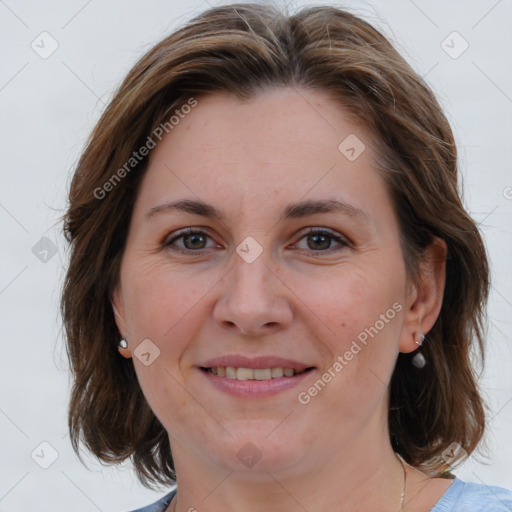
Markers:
(318, 229)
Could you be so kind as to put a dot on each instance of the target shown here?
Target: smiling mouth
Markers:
(233, 373)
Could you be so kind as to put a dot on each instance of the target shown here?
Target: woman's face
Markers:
(254, 290)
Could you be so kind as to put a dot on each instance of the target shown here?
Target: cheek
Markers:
(165, 305)
(159, 299)
(353, 305)
(167, 398)
(360, 317)
(361, 354)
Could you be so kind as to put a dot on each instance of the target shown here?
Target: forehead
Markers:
(283, 143)
(272, 125)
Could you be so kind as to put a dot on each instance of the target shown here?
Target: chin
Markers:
(259, 447)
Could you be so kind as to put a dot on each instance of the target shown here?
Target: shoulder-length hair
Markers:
(243, 49)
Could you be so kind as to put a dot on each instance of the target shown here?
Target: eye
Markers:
(319, 240)
(193, 240)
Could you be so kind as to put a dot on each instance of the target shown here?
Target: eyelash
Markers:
(312, 231)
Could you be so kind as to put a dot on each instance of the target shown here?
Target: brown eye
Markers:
(196, 240)
(320, 240)
(192, 241)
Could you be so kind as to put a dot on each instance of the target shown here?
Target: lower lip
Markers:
(255, 388)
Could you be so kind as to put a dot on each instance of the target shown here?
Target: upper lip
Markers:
(239, 361)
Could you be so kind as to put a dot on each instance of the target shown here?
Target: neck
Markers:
(365, 476)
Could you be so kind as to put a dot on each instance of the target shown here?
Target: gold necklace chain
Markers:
(402, 495)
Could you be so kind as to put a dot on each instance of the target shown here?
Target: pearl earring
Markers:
(419, 360)
(122, 344)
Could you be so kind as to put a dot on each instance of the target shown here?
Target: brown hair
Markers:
(242, 49)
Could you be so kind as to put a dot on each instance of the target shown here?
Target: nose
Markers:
(254, 300)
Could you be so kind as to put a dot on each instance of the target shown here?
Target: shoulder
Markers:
(158, 506)
(472, 497)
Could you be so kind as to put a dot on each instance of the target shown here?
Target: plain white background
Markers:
(48, 107)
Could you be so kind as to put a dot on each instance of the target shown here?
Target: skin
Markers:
(301, 298)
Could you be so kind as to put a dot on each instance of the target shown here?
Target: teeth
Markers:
(244, 374)
(253, 374)
(277, 372)
(262, 374)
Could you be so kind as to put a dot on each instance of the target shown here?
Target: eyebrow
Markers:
(293, 211)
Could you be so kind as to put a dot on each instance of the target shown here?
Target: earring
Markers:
(122, 344)
(419, 360)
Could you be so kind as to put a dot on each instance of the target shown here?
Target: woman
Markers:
(274, 288)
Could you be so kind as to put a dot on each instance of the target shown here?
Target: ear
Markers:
(425, 297)
(119, 314)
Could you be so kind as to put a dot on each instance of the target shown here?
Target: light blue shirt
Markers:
(459, 497)
(470, 497)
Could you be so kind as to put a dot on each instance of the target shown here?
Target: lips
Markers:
(262, 368)
(255, 378)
